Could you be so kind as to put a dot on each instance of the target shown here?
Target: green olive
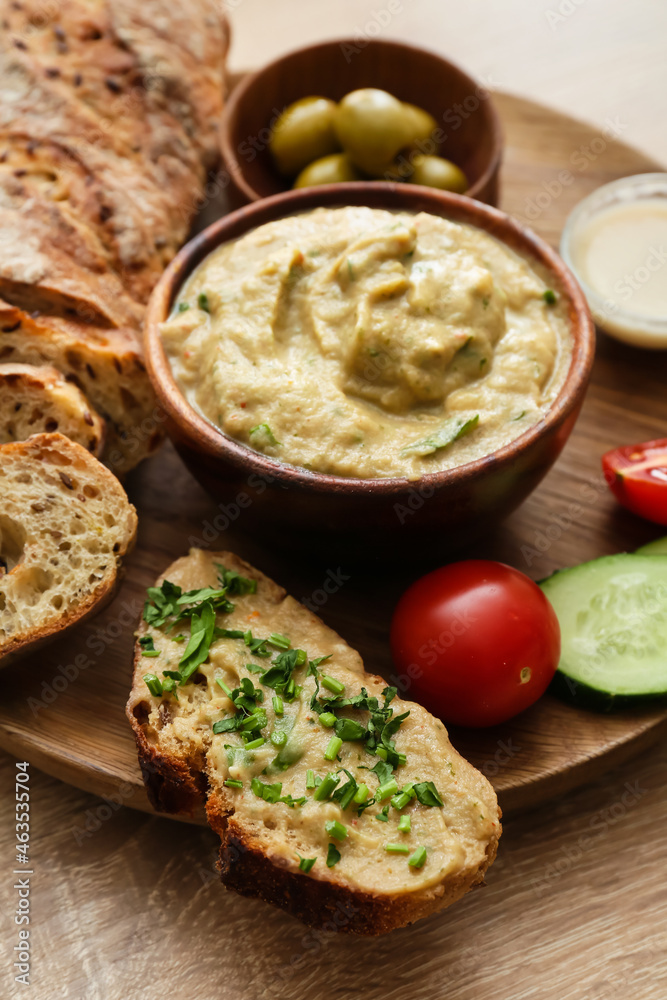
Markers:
(436, 172)
(424, 124)
(399, 169)
(304, 132)
(332, 169)
(372, 126)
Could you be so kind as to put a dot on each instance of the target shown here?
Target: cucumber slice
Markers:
(613, 618)
(656, 548)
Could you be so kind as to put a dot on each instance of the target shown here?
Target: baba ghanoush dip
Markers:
(365, 343)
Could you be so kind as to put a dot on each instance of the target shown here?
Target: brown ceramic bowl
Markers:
(469, 134)
(328, 513)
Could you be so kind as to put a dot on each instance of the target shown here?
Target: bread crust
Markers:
(173, 784)
(181, 784)
(109, 117)
(246, 869)
(105, 364)
(64, 454)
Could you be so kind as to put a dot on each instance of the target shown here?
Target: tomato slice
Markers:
(637, 476)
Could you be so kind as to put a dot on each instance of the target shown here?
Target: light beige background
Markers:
(126, 906)
(589, 58)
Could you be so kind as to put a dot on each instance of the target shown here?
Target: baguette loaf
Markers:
(108, 123)
(65, 525)
(39, 400)
(289, 804)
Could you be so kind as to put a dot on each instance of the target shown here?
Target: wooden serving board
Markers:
(63, 708)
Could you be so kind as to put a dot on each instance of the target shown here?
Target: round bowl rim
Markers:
(235, 168)
(206, 437)
(633, 185)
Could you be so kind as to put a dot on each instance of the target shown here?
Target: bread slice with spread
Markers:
(330, 793)
(65, 525)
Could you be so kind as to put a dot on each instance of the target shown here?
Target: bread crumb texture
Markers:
(39, 400)
(65, 524)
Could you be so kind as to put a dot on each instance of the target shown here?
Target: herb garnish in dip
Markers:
(366, 343)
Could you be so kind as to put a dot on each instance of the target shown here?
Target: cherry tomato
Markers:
(475, 642)
(637, 476)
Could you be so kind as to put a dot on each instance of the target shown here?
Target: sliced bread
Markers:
(105, 364)
(65, 525)
(109, 123)
(39, 400)
(329, 792)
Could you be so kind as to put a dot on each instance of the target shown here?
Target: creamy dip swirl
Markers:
(366, 343)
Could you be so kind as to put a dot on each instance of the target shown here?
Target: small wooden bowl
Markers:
(359, 517)
(470, 129)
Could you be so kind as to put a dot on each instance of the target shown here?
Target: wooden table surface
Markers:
(125, 906)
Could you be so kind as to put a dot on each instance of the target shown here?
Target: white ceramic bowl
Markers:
(615, 318)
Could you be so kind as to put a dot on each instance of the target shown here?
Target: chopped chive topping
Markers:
(234, 583)
(203, 303)
(255, 744)
(549, 297)
(348, 729)
(279, 738)
(281, 641)
(397, 848)
(310, 779)
(452, 430)
(382, 771)
(266, 431)
(428, 794)
(153, 684)
(401, 800)
(384, 791)
(288, 800)
(229, 725)
(325, 788)
(278, 706)
(183, 307)
(345, 794)
(331, 752)
(328, 719)
(404, 823)
(361, 794)
(271, 793)
(382, 725)
(170, 684)
(224, 687)
(148, 646)
(417, 859)
(331, 684)
(233, 783)
(333, 856)
(305, 864)
(383, 815)
(336, 829)
(279, 675)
